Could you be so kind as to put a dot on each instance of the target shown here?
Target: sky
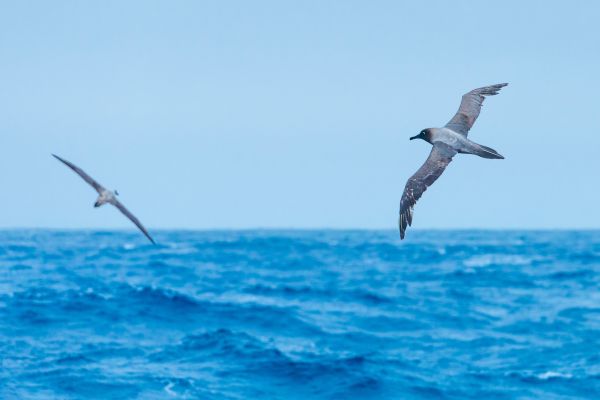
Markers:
(296, 114)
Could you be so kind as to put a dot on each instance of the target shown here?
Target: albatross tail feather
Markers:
(487, 152)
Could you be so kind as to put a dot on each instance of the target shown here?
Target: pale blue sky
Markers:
(240, 114)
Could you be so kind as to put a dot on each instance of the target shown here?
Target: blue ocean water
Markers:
(300, 315)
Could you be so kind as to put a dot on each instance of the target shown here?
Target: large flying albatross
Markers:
(446, 141)
(106, 196)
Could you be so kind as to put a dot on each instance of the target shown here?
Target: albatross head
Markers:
(424, 134)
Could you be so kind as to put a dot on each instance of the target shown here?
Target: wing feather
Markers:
(99, 188)
(439, 158)
(470, 106)
(133, 219)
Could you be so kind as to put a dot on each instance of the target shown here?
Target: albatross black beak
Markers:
(415, 137)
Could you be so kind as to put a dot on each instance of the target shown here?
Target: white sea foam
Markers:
(169, 389)
(553, 374)
(486, 260)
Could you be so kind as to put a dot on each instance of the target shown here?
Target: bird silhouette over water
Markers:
(106, 196)
(447, 142)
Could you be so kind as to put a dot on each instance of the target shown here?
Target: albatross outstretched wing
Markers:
(99, 188)
(470, 106)
(439, 158)
(132, 218)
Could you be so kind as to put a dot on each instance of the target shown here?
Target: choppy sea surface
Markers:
(300, 315)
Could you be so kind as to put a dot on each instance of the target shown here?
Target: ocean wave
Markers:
(298, 315)
(303, 291)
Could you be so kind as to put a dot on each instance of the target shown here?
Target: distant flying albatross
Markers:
(105, 196)
(446, 141)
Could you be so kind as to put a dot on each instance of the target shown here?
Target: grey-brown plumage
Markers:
(470, 106)
(106, 196)
(439, 158)
(447, 142)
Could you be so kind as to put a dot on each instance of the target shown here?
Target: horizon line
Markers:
(97, 229)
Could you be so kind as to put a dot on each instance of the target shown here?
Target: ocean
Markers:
(321, 314)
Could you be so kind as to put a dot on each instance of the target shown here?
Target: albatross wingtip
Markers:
(58, 158)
